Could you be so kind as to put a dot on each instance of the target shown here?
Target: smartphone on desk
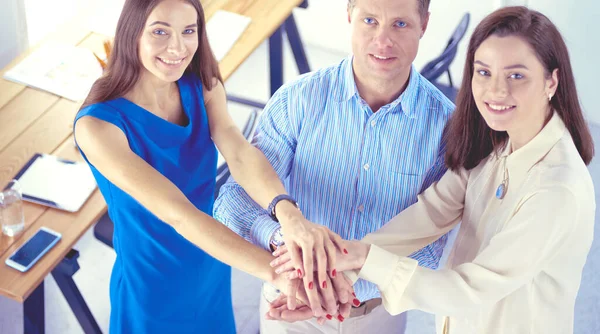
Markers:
(33, 249)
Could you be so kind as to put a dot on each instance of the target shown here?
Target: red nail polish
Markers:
(333, 273)
(324, 284)
(356, 302)
(299, 273)
(345, 251)
(310, 286)
(329, 316)
(340, 318)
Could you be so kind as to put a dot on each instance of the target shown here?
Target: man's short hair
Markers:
(423, 6)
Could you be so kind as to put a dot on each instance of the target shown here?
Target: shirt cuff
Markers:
(262, 230)
(384, 269)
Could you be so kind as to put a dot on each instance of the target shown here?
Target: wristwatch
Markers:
(276, 240)
(275, 201)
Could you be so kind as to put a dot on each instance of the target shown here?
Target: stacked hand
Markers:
(311, 248)
(343, 297)
(333, 298)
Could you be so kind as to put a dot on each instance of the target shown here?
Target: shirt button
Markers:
(373, 123)
(366, 166)
(361, 208)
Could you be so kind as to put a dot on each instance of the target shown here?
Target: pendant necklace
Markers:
(503, 187)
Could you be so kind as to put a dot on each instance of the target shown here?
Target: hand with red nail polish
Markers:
(341, 307)
(309, 247)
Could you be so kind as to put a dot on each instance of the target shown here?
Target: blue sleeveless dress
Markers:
(162, 283)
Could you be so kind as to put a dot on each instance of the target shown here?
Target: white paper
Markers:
(223, 30)
(68, 185)
(64, 70)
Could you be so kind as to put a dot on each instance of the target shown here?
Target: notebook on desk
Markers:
(55, 182)
(64, 70)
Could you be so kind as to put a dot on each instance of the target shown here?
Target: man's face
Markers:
(385, 36)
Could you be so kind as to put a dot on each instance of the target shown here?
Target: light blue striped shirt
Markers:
(349, 168)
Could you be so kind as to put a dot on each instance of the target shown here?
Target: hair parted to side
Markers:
(124, 65)
(423, 6)
(468, 137)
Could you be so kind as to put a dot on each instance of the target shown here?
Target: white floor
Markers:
(96, 259)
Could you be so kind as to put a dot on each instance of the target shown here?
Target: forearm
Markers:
(170, 205)
(406, 286)
(224, 245)
(251, 170)
(236, 210)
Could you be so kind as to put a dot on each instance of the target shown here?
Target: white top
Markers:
(516, 263)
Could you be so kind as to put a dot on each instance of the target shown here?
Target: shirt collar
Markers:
(407, 99)
(522, 160)
(347, 82)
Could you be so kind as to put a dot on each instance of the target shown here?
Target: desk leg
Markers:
(296, 44)
(33, 312)
(276, 57)
(63, 275)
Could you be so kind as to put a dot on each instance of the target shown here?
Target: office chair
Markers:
(433, 70)
(104, 228)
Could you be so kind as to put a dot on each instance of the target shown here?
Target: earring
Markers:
(549, 97)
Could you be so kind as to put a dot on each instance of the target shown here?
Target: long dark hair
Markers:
(124, 64)
(469, 139)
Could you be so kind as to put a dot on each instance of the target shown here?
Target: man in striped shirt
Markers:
(354, 144)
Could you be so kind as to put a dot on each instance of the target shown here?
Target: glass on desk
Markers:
(12, 216)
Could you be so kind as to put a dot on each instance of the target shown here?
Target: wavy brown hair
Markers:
(124, 65)
(469, 139)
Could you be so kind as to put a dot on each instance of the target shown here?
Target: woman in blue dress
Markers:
(148, 130)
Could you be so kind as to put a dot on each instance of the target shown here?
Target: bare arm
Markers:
(248, 165)
(107, 148)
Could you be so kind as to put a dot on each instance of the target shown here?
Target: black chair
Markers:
(433, 70)
(104, 228)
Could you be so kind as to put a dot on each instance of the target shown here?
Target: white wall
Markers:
(45, 16)
(13, 27)
(577, 22)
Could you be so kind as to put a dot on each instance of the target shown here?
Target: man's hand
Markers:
(279, 311)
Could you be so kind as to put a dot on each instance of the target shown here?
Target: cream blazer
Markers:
(516, 263)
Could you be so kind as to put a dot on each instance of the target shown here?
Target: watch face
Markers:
(278, 238)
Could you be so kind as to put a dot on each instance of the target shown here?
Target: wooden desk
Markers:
(33, 121)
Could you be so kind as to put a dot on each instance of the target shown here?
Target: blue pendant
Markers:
(501, 191)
